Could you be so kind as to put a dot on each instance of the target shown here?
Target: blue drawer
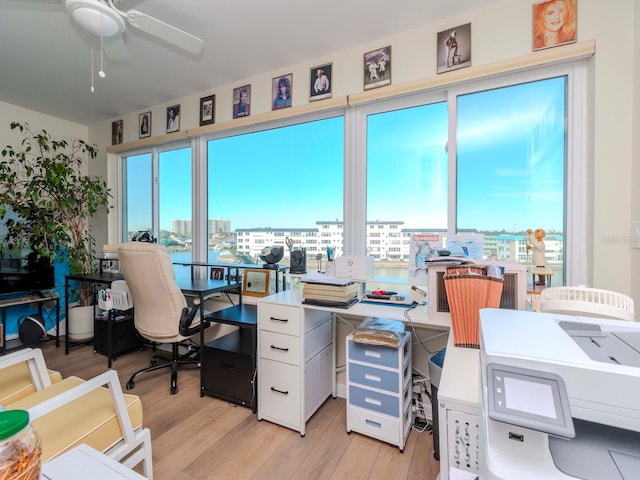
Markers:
(374, 401)
(373, 377)
(374, 354)
(380, 355)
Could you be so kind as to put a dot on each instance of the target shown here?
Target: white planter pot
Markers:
(80, 323)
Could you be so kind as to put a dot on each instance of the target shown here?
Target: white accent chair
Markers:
(72, 411)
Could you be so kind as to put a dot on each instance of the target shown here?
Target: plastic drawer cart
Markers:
(379, 390)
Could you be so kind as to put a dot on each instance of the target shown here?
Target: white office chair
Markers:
(161, 314)
(589, 302)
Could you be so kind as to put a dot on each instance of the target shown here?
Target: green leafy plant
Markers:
(44, 183)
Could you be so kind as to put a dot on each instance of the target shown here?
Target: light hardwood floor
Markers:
(198, 438)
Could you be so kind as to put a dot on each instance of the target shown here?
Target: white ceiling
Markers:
(45, 57)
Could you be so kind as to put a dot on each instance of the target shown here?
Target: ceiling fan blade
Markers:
(114, 48)
(165, 32)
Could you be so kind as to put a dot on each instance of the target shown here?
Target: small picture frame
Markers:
(377, 68)
(242, 101)
(207, 110)
(255, 282)
(144, 125)
(173, 118)
(281, 89)
(117, 129)
(454, 48)
(216, 273)
(321, 82)
(554, 23)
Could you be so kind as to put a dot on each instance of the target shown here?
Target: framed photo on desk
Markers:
(255, 282)
(217, 273)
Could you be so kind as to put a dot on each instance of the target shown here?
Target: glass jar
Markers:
(20, 450)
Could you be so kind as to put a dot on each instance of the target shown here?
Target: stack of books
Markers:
(330, 295)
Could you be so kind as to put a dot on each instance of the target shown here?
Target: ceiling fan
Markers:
(104, 19)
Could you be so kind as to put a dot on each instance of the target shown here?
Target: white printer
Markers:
(560, 397)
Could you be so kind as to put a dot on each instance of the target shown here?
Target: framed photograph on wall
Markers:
(281, 88)
(377, 68)
(320, 85)
(207, 110)
(144, 125)
(173, 118)
(242, 101)
(117, 128)
(255, 282)
(554, 23)
(454, 48)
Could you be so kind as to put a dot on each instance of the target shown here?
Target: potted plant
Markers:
(44, 183)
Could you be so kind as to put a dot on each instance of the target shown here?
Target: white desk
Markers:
(297, 355)
(459, 412)
(84, 462)
(417, 315)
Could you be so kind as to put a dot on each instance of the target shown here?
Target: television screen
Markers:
(20, 270)
(25, 274)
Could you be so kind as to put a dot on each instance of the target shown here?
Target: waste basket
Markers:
(436, 361)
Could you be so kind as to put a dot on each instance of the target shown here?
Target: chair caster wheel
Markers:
(129, 385)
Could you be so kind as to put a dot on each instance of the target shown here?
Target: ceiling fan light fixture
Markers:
(96, 17)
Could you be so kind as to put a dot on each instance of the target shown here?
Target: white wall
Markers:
(500, 32)
(37, 121)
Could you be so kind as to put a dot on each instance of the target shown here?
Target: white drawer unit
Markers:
(296, 363)
(379, 390)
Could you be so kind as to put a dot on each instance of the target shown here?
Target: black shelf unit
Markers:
(229, 362)
(124, 336)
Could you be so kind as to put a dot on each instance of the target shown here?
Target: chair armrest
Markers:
(35, 363)
(186, 319)
(109, 379)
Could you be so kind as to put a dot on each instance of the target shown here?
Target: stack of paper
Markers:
(324, 291)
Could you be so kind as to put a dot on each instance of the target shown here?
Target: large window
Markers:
(493, 157)
(511, 160)
(157, 193)
(407, 168)
(175, 200)
(272, 184)
(137, 194)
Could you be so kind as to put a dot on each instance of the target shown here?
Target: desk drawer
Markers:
(374, 425)
(373, 377)
(280, 394)
(228, 375)
(280, 319)
(281, 348)
(374, 401)
(380, 355)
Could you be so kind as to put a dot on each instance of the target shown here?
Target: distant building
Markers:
(219, 226)
(181, 227)
(386, 241)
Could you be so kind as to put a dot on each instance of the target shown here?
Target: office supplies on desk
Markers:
(354, 267)
(319, 291)
(331, 303)
(319, 278)
(398, 300)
